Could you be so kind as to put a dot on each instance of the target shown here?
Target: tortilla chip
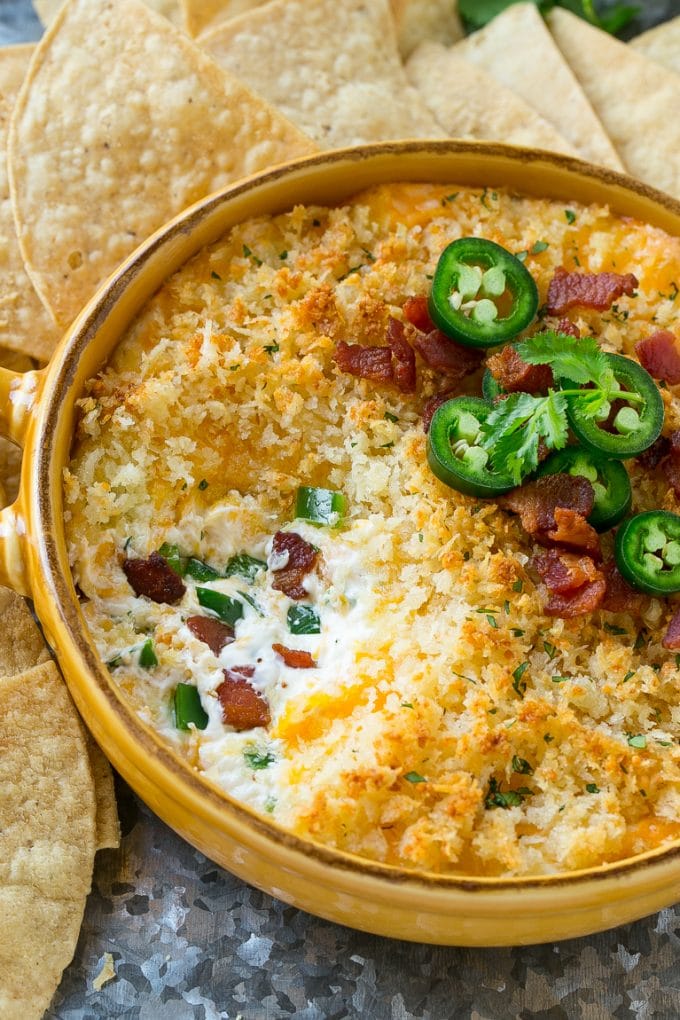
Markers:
(24, 323)
(419, 21)
(202, 15)
(516, 49)
(636, 100)
(661, 44)
(334, 69)
(22, 645)
(469, 103)
(107, 823)
(122, 122)
(171, 9)
(47, 837)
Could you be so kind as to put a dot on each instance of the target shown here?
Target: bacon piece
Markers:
(620, 597)
(659, 354)
(563, 572)
(302, 557)
(569, 327)
(295, 657)
(154, 578)
(365, 362)
(243, 707)
(431, 406)
(587, 290)
(215, 634)
(671, 470)
(404, 366)
(444, 355)
(654, 454)
(671, 638)
(572, 530)
(577, 603)
(516, 376)
(416, 312)
(536, 502)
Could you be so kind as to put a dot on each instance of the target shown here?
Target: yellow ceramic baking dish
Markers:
(37, 411)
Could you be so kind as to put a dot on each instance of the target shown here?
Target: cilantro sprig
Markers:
(584, 383)
(477, 13)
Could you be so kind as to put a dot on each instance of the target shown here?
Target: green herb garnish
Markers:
(592, 788)
(497, 798)
(522, 766)
(258, 759)
(477, 13)
(414, 777)
(518, 683)
(638, 740)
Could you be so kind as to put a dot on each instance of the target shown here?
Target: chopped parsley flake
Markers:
(518, 683)
(388, 416)
(538, 247)
(611, 629)
(203, 484)
(522, 766)
(272, 348)
(570, 216)
(592, 788)
(550, 650)
(414, 777)
(258, 759)
(638, 740)
(497, 798)
(517, 586)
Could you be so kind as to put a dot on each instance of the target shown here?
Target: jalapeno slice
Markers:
(609, 479)
(647, 552)
(635, 425)
(453, 452)
(481, 294)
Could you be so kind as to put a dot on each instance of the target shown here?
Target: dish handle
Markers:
(19, 392)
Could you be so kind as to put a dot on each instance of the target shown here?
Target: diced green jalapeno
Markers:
(647, 552)
(319, 506)
(636, 425)
(481, 294)
(147, 655)
(244, 565)
(188, 708)
(229, 610)
(609, 478)
(172, 555)
(453, 452)
(303, 620)
(200, 571)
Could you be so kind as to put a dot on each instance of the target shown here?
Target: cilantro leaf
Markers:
(513, 431)
(578, 361)
(477, 13)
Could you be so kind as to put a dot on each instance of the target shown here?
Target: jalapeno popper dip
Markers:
(374, 513)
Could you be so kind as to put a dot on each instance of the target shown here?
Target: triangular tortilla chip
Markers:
(426, 20)
(202, 15)
(47, 837)
(469, 103)
(516, 49)
(661, 44)
(334, 69)
(170, 9)
(636, 100)
(122, 122)
(24, 324)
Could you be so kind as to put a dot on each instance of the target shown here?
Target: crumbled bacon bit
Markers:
(215, 634)
(577, 603)
(154, 578)
(671, 470)
(416, 312)
(654, 454)
(563, 572)
(302, 557)
(444, 355)
(569, 327)
(431, 406)
(660, 356)
(536, 502)
(243, 707)
(671, 638)
(572, 530)
(515, 376)
(620, 597)
(404, 358)
(587, 290)
(365, 362)
(295, 657)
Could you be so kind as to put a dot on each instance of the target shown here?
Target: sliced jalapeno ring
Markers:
(647, 552)
(635, 426)
(609, 478)
(453, 452)
(481, 294)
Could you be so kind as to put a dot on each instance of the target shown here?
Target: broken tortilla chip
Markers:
(121, 123)
(517, 50)
(661, 44)
(636, 100)
(420, 21)
(171, 9)
(47, 837)
(469, 103)
(332, 69)
(24, 323)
